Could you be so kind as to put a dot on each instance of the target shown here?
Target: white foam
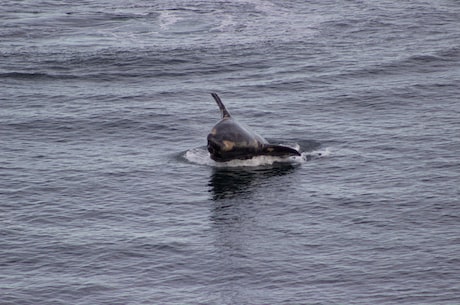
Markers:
(320, 153)
(202, 157)
(167, 19)
(198, 156)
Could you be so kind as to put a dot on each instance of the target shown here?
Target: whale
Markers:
(230, 140)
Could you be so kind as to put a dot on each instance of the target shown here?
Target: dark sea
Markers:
(108, 194)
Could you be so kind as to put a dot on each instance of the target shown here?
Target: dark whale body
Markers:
(230, 140)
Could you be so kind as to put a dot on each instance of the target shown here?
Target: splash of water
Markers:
(202, 157)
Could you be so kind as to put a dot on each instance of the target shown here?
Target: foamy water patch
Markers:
(202, 157)
(168, 18)
(323, 153)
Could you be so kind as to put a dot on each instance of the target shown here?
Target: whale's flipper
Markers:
(223, 110)
(279, 150)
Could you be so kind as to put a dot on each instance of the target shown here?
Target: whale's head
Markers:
(220, 144)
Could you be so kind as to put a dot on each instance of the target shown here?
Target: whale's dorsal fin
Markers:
(223, 110)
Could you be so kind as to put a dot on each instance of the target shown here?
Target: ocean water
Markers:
(108, 195)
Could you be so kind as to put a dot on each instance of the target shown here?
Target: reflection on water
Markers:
(235, 220)
(232, 182)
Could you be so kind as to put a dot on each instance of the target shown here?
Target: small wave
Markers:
(33, 76)
(202, 157)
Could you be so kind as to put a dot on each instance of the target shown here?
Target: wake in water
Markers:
(201, 156)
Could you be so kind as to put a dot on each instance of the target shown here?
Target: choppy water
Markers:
(107, 195)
